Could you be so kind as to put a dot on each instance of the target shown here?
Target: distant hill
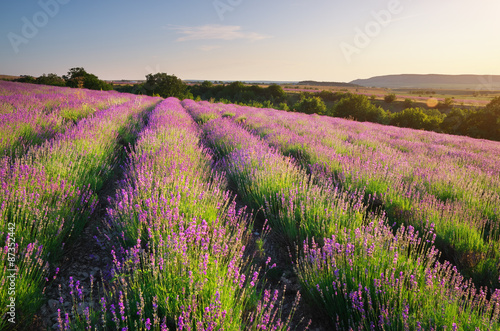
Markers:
(476, 82)
(314, 83)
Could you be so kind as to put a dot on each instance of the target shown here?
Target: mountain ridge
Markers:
(465, 81)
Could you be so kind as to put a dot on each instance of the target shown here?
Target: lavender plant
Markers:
(181, 264)
(31, 114)
(397, 169)
(49, 193)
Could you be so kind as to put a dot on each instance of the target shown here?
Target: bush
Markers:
(358, 106)
(311, 105)
(390, 98)
(485, 123)
(276, 93)
(26, 79)
(447, 104)
(408, 103)
(50, 79)
(329, 95)
(456, 121)
(283, 106)
(418, 118)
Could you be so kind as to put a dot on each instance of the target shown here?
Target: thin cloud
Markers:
(208, 48)
(215, 32)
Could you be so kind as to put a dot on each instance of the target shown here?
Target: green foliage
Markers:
(311, 105)
(408, 103)
(485, 123)
(240, 119)
(329, 95)
(50, 79)
(360, 108)
(418, 118)
(239, 93)
(26, 79)
(283, 106)
(207, 85)
(276, 93)
(79, 78)
(228, 114)
(166, 86)
(390, 98)
(456, 121)
(447, 104)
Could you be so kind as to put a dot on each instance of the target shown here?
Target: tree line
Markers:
(77, 78)
(477, 123)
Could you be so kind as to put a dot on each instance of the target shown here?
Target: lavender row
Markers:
(181, 264)
(297, 208)
(30, 114)
(372, 279)
(360, 272)
(47, 196)
(468, 232)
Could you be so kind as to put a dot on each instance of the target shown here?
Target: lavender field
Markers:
(224, 217)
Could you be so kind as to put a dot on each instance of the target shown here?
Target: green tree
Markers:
(26, 79)
(358, 106)
(485, 123)
(456, 121)
(329, 95)
(78, 78)
(166, 86)
(276, 93)
(310, 105)
(50, 79)
(418, 118)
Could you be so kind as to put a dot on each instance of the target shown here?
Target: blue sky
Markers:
(250, 39)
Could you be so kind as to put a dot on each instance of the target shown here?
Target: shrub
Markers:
(485, 123)
(360, 108)
(283, 106)
(408, 103)
(26, 79)
(329, 95)
(50, 79)
(390, 98)
(418, 118)
(311, 105)
(456, 121)
(276, 93)
(447, 104)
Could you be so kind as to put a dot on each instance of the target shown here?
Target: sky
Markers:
(292, 40)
